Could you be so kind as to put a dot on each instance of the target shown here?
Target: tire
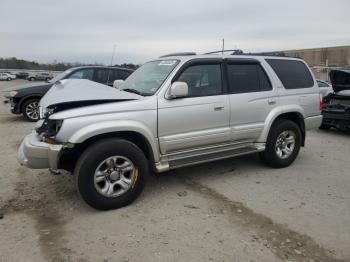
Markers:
(30, 109)
(282, 130)
(48, 79)
(324, 127)
(31, 79)
(9, 79)
(90, 184)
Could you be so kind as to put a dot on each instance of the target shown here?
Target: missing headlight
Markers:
(49, 128)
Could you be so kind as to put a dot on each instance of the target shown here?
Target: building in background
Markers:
(323, 60)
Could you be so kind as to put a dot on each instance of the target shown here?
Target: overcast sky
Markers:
(86, 30)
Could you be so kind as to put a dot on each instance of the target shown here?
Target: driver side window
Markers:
(202, 80)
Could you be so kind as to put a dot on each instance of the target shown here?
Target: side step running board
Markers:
(210, 157)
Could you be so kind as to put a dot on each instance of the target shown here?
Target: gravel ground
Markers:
(231, 210)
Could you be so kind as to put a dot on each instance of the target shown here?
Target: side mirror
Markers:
(118, 83)
(178, 89)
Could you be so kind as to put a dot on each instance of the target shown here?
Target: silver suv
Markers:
(172, 112)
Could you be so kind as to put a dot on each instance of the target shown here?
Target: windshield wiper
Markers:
(131, 90)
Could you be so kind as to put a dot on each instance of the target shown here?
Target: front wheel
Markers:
(9, 79)
(111, 174)
(283, 144)
(30, 109)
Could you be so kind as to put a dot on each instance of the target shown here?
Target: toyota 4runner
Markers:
(175, 111)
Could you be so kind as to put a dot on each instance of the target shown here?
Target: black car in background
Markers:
(22, 75)
(25, 99)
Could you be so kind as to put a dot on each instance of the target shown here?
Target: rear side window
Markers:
(124, 74)
(115, 74)
(292, 73)
(247, 78)
(101, 75)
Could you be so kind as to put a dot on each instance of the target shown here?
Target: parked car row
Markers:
(175, 111)
(7, 76)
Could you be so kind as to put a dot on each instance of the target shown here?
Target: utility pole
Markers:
(223, 45)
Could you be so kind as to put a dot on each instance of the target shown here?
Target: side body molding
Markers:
(104, 127)
(276, 112)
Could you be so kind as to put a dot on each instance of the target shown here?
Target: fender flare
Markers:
(274, 114)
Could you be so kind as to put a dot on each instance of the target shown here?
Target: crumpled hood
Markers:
(340, 80)
(82, 91)
(17, 88)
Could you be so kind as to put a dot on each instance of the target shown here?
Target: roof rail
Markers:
(233, 52)
(179, 54)
(278, 53)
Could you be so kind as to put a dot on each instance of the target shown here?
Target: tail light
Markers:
(321, 101)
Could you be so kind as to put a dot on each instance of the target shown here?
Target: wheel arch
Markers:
(295, 114)
(70, 156)
(25, 99)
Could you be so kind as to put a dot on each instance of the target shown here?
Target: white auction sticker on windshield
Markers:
(167, 62)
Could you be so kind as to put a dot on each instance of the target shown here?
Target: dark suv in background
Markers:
(25, 99)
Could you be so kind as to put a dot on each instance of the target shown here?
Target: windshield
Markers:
(147, 79)
(60, 76)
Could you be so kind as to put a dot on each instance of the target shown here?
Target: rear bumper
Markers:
(36, 154)
(313, 122)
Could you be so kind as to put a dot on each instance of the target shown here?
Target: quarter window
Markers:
(247, 78)
(202, 80)
(292, 73)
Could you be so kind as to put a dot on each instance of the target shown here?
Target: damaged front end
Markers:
(336, 110)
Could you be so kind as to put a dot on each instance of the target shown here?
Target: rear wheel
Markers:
(111, 174)
(31, 78)
(30, 109)
(9, 79)
(283, 144)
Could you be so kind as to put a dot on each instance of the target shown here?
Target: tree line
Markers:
(14, 63)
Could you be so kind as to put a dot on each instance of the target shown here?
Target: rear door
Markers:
(202, 118)
(252, 97)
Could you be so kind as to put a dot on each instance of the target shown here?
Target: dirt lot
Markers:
(231, 210)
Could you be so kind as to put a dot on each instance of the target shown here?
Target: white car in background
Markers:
(7, 76)
(325, 88)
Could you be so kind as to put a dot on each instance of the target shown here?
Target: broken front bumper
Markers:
(34, 153)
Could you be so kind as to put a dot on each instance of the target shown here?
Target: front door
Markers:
(202, 118)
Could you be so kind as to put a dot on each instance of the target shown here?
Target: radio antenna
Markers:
(112, 58)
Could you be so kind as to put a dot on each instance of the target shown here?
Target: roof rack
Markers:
(179, 54)
(233, 52)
